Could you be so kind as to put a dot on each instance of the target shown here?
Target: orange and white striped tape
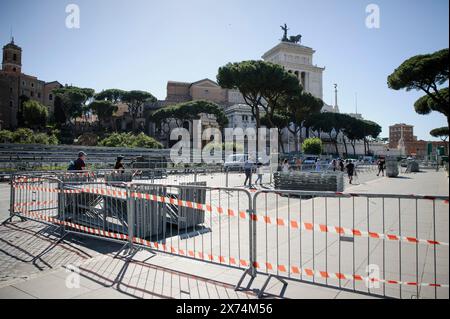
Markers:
(280, 222)
(308, 272)
(82, 228)
(342, 230)
(294, 270)
(36, 203)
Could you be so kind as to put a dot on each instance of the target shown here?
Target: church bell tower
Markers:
(12, 58)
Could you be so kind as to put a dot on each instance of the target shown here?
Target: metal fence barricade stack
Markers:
(187, 216)
(203, 223)
(150, 217)
(96, 208)
(311, 181)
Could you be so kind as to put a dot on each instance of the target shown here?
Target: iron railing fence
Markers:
(190, 220)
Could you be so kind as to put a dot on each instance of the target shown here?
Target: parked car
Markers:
(308, 160)
(367, 159)
(237, 161)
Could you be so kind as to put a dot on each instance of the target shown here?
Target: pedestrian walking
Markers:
(285, 166)
(298, 163)
(317, 165)
(341, 165)
(381, 166)
(259, 172)
(248, 168)
(334, 165)
(350, 170)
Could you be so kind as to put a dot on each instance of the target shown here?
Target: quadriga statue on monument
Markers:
(292, 39)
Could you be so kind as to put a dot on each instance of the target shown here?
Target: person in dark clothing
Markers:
(119, 165)
(248, 168)
(80, 162)
(381, 166)
(341, 165)
(350, 170)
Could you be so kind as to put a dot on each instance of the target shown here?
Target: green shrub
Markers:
(142, 140)
(6, 136)
(40, 138)
(130, 140)
(23, 136)
(53, 140)
(312, 146)
(27, 136)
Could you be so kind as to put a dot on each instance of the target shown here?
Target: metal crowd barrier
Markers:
(210, 224)
(378, 244)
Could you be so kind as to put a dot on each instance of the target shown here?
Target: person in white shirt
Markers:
(259, 172)
(317, 165)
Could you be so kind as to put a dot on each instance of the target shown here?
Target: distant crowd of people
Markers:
(250, 166)
(343, 165)
(80, 163)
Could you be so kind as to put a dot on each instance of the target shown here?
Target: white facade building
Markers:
(298, 59)
(240, 115)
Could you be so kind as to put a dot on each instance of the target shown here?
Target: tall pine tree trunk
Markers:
(345, 146)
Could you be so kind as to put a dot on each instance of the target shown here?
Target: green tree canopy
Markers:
(299, 106)
(103, 109)
(135, 101)
(280, 120)
(248, 78)
(188, 111)
(112, 95)
(428, 103)
(71, 102)
(326, 122)
(371, 132)
(371, 129)
(426, 72)
(262, 84)
(441, 132)
(35, 114)
(355, 130)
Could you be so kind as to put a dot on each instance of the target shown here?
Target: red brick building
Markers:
(17, 87)
(413, 147)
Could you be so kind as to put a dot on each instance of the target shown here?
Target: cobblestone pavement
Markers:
(28, 249)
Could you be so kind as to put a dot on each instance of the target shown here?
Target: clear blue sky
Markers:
(143, 44)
